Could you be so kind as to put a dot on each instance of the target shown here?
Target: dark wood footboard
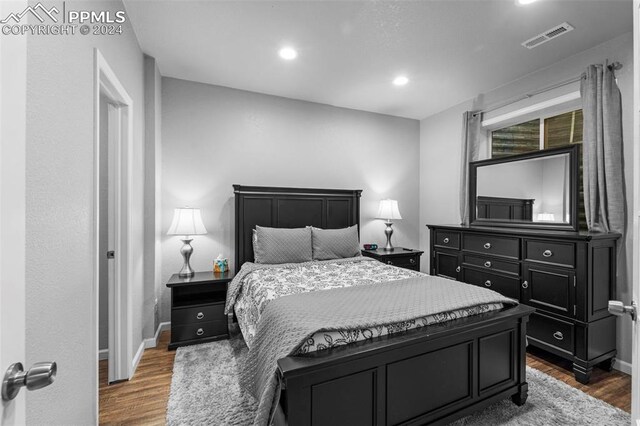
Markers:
(425, 376)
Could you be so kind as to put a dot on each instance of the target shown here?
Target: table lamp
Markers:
(388, 211)
(187, 222)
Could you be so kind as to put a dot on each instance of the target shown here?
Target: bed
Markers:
(418, 375)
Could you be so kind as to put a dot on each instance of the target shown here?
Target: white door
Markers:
(635, 359)
(13, 65)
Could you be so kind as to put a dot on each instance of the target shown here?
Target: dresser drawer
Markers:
(551, 331)
(549, 288)
(202, 330)
(562, 254)
(487, 244)
(506, 286)
(446, 264)
(446, 239)
(492, 264)
(205, 313)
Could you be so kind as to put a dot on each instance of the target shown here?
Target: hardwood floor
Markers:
(143, 399)
(613, 387)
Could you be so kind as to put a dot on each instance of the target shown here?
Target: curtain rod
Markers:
(613, 67)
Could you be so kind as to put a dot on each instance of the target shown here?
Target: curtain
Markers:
(602, 150)
(472, 140)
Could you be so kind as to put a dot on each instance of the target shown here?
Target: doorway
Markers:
(112, 278)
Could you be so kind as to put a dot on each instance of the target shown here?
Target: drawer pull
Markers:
(446, 241)
(200, 332)
(412, 261)
(525, 284)
(487, 246)
(458, 269)
(200, 315)
(487, 264)
(487, 283)
(558, 335)
(389, 262)
(547, 253)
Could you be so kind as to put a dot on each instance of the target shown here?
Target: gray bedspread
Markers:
(288, 321)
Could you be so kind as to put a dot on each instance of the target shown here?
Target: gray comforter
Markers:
(288, 321)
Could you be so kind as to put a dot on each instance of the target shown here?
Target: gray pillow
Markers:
(282, 245)
(335, 243)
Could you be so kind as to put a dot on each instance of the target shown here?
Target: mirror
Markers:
(533, 190)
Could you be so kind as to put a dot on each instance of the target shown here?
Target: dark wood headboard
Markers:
(290, 208)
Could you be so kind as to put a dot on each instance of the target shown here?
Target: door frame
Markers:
(13, 140)
(120, 308)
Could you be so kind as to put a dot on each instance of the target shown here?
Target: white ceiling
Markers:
(350, 51)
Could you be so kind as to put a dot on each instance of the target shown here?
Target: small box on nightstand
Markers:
(197, 308)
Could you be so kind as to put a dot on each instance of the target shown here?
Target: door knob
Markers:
(616, 307)
(41, 374)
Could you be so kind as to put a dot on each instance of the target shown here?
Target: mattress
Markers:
(264, 284)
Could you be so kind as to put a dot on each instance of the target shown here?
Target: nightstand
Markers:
(197, 308)
(402, 257)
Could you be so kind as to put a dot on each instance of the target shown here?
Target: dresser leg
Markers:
(582, 373)
(521, 397)
(607, 365)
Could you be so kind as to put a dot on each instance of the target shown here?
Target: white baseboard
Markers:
(623, 366)
(136, 359)
(147, 344)
(153, 341)
(103, 354)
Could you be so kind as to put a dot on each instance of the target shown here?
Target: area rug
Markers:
(205, 390)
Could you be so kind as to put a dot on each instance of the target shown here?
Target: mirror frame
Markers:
(573, 187)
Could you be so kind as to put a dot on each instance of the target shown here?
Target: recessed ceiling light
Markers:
(400, 80)
(288, 53)
(525, 1)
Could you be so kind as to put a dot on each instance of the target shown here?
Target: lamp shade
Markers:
(187, 221)
(388, 210)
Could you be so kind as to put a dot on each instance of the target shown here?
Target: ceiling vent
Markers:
(550, 34)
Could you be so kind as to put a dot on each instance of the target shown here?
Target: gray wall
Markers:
(213, 137)
(61, 306)
(440, 137)
(152, 206)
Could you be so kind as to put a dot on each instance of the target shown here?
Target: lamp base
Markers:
(186, 251)
(388, 232)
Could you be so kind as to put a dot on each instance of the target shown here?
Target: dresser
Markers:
(197, 308)
(401, 257)
(568, 277)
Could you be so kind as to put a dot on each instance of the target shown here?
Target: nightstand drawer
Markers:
(198, 331)
(408, 262)
(488, 244)
(198, 314)
(561, 254)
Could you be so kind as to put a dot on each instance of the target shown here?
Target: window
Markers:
(543, 133)
(516, 139)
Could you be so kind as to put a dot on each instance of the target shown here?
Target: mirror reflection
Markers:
(531, 190)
